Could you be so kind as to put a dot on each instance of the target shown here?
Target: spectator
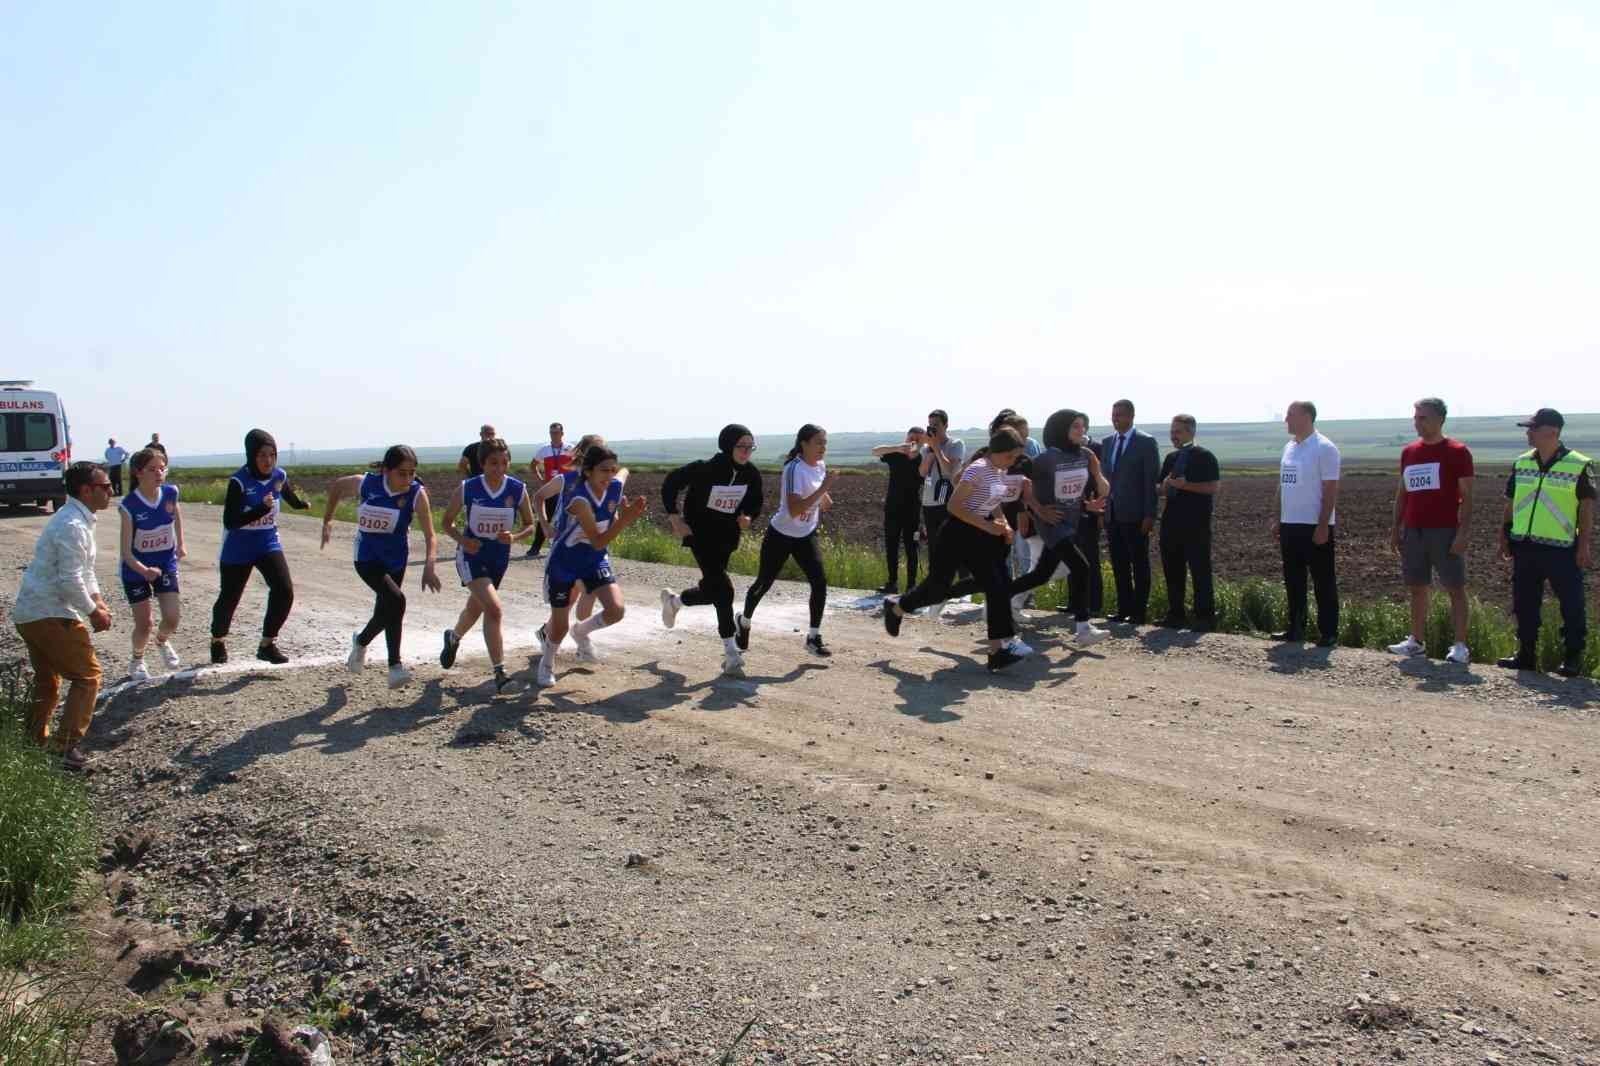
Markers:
(471, 462)
(1133, 466)
(1190, 478)
(902, 510)
(1308, 490)
(156, 445)
(1432, 514)
(1548, 523)
(58, 595)
(548, 463)
(115, 457)
(942, 457)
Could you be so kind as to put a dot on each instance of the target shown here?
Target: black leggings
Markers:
(389, 612)
(715, 587)
(274, 570)
(1045, 568)
(900, 523)
(964, 546)
(776, 549)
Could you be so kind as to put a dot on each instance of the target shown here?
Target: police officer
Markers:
(1546, 535)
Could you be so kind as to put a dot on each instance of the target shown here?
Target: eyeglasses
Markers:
(744, 447)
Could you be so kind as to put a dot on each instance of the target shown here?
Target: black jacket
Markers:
(699, 477)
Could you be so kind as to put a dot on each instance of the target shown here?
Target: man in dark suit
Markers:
(1132, 464)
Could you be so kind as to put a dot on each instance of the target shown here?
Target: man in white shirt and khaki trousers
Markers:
(58, 601)
(1308, 490)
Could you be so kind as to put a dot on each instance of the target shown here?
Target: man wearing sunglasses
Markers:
(57, 603)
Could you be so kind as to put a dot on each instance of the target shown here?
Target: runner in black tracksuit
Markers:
(724, 497)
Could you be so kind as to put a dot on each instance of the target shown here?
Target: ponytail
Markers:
(396, 456)
(807, 431)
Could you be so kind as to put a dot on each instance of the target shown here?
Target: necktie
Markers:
(1116, 456)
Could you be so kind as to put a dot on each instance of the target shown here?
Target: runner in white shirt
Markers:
(1308, 490)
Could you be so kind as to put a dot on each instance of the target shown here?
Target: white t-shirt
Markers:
(1302, 470)
(937, 486)
(798, 480)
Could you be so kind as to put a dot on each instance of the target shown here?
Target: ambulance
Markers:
(35, 445)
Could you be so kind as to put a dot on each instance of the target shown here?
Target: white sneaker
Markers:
(138, 672)
(357, 657)
(1458, 654)
(733, 663)
(1016, 647)
(169, 655)
(586, 652)
(399, 677)
(936, 610)
(1409, 646)
(544, 677)
(544, 641)
(1087, 634)
(669, 608)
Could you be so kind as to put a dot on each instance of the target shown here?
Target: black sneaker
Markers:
(999, 660)
(741, 632)
(1517, 662)
(269, 653)
(532, 553)
(890, 589)
(1327, 642)
(815, 646)
(501, 680)
(447, 657)
(1571, 664)
(219, 653)
(891, 617)
(1289, 636)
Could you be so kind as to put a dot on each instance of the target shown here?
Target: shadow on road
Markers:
(932, 697)
(1298, 658)
(1437, 676)
(670, 691)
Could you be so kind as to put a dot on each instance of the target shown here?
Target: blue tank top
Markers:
(250, 542)
(382, 519)
(488, 514)
(572, 547)
(155, 535)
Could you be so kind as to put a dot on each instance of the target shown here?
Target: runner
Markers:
(547, 464)
(724, 497)
(585, 605)
(976, 540)
(802, 497)
(493, 501)
(1061, 473)
(593, 513)
(152, 544)
(389, 494)
(250, 542)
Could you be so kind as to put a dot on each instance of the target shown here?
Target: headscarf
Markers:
(730, 436)
(254, 441)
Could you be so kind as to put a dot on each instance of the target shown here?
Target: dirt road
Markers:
(1166, 848)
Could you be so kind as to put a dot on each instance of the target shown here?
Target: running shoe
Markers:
(1001, 659)
(586, 652)
(544, 641)
(74, 760)
(269, 653)
(741, 632)
(544, 677)
(452, 643)
(889, 589)
(358, 655)
(219, 653)
(733, 663)
(815, 646)
(501, 680)
(1571, 664)
(1409, 647)
(169, 655)
(138, 672)
(1087, 634)
(1458, 654)
(399, 676)
(891, 617)
(1016, 647)
(669, 608)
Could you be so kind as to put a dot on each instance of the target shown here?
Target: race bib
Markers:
(159, 539)
(1013, 489)
(1070, 483)
(1422, 477)
(725, 499)
(489, 522)
(1289, 474)
(266, 521)
(370, 518)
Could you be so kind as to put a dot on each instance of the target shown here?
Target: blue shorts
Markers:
(558, 580)
(470, 568)
(138, 589)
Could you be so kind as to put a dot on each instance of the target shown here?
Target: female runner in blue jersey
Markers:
(250, 542)
(493, 502)
(593, 512)
(152, 544)
(388, 496)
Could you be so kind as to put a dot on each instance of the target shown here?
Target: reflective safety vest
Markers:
(1544, 503)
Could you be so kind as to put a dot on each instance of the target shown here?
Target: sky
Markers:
(359, 223)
